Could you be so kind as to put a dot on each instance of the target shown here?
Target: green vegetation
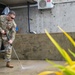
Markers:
(69, 69)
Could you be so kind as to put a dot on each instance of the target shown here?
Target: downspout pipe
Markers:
(28, 6)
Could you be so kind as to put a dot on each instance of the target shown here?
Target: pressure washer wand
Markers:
(17, 57)
(15, 52)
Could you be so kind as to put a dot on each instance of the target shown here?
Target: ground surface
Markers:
(31, 67)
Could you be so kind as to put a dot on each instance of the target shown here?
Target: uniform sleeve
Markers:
(1, 24)
(13, 31)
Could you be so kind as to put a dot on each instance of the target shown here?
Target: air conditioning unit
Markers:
(45, 4)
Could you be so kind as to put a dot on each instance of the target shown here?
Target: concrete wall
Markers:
(21, 20)
(38, 46)
(63, 14)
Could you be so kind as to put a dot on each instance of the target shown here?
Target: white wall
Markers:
(63, 14)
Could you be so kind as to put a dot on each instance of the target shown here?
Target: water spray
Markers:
(18, 58)
(22, 67)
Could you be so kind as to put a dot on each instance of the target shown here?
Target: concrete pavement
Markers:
(31, 67)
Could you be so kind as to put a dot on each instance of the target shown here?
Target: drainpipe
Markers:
(28, 6)
(33, 32)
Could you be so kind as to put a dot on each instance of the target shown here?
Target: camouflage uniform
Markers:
(9, 27)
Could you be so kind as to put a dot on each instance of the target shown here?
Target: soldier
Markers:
(8, 28)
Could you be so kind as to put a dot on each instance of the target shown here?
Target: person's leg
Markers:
(8, 55)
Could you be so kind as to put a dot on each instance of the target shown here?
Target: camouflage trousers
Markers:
(8, 50)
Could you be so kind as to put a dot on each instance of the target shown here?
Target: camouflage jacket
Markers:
(8, 26)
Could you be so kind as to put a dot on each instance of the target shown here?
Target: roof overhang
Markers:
(12, 3)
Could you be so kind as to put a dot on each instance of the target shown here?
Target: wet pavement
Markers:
(29, 67)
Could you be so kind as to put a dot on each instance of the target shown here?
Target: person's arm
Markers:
(13, 33)
(1, 30)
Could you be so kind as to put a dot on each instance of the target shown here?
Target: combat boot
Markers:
(8, 65)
